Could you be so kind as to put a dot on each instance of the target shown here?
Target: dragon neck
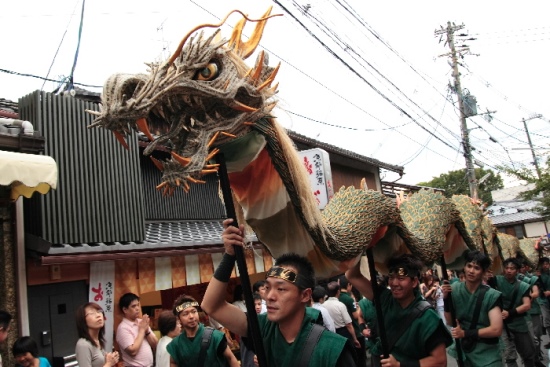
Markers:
(274, 203)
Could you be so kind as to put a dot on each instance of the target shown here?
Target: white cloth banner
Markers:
(102, 292)
(163, 273)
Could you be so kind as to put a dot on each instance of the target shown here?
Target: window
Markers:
(519, 231)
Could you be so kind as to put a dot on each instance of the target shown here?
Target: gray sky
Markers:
(386, 96)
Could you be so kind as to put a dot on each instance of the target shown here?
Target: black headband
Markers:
(403, 271)
(290, 276)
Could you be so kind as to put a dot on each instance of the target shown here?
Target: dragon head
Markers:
(202, 97)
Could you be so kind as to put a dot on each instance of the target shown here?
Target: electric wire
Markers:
(348, 49)
(59, 46)
(360, 76)
(11, 72)
(71, 75)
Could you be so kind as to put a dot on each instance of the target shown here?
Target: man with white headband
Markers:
(197, 345)
(287, 326)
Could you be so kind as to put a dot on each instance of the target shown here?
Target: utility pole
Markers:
(470, 171)
(535, 161)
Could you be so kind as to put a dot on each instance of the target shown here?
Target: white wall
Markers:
(535, 229)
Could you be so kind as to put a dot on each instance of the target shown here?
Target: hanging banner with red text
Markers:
(317, 164)
(102, 292)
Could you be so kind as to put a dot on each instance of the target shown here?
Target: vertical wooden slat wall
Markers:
(201, 203)
(99, 197)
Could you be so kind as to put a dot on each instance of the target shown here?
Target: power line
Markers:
(44, 78)
(360, 76)
(59, 47)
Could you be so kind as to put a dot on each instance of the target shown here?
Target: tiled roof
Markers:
(520, 217)
(158, 235)
(347, 153)
(7, 105)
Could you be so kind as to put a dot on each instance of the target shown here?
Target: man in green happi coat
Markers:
(424, 339)
(482, 348)
(544, 267)
(185, 349)
(534, 315)
(286, 327)
(516, 302)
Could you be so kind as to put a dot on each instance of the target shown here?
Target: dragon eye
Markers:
(210, 72)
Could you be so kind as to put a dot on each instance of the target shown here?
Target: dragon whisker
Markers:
(142, 126)
(158, 164)
(213, 139)
(181, 160)
(92, 112)
(270, 79)
(121, 139)
(259, 67)
(242, 107)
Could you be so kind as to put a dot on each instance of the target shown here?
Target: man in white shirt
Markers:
(339, 314)
(318, 298)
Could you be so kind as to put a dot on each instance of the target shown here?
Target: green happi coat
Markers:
(517, 323)
(369, 315)
(369, 311)
(185, 352)
(279, 353)
(410, 346)
(532, 280)
(464, 302)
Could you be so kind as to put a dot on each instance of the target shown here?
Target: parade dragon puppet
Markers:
(206, 100)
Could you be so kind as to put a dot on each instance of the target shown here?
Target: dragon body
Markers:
(205, 100)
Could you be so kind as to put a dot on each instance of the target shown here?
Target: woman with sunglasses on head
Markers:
(90, 348)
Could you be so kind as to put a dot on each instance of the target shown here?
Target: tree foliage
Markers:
(541, 192)
(456, 183)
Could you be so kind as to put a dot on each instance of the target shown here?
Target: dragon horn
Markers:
(245, 49)
(261, 21)
(142, 126)
(121, 139)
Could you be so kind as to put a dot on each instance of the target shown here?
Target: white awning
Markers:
(27, 173)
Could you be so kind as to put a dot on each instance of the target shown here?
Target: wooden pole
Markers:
(378, 305)
(241, 265)
(453, 314)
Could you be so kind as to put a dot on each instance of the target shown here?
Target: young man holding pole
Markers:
(516, 302)
(287, 327)
(416, 335)
(480, 341)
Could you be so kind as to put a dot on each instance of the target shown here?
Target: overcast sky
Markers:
(358, 74)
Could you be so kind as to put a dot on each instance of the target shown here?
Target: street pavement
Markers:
(451, 362)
